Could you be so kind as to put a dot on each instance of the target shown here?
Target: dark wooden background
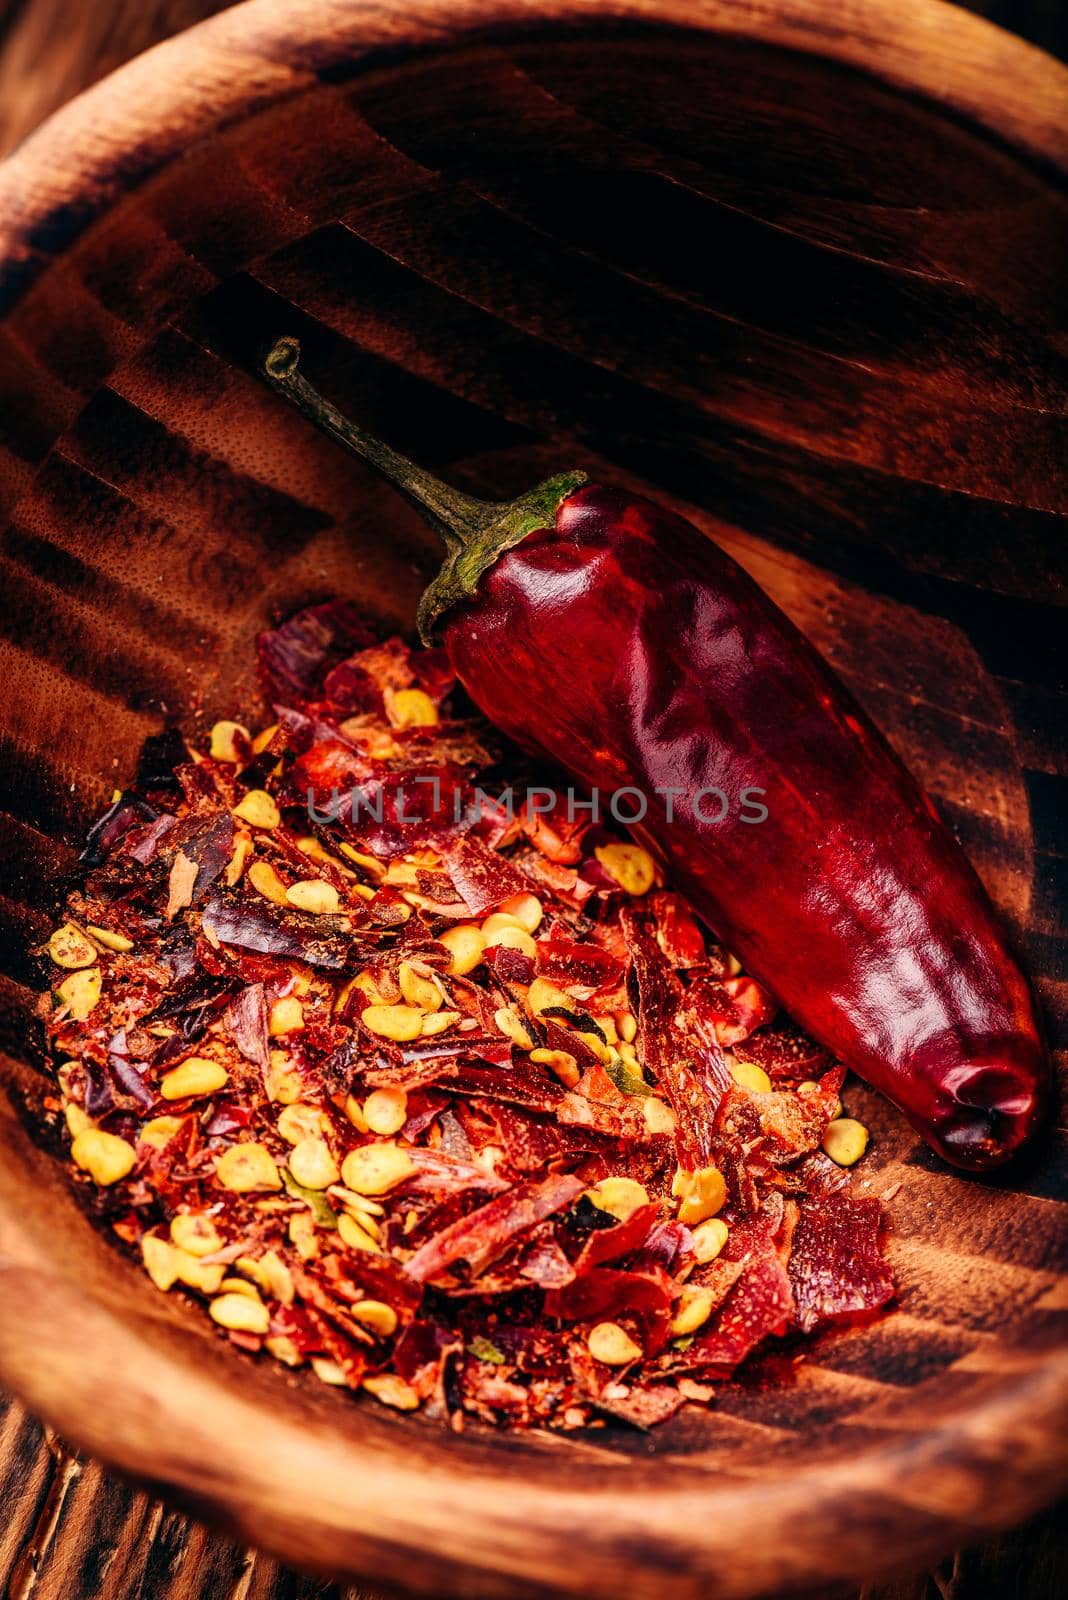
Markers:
(68, 1530)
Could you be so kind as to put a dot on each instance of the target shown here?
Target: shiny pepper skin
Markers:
(606, 633)
(626, 647)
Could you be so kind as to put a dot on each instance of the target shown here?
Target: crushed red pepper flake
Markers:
(602, 1051)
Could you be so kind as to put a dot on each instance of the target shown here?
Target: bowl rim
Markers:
(391, 1518)
(73, 169)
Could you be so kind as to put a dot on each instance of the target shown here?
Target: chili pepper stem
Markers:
(474, 532)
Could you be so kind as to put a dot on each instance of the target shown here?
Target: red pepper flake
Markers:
(481, 877)
(478, 1238)
(837, 1269)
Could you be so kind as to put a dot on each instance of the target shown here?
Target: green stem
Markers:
(457, 516)
(474, 532)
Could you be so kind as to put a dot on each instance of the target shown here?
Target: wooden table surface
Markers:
(68, 1529)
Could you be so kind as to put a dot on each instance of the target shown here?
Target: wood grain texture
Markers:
(50, 50)
(70, 1530)
(799, 270)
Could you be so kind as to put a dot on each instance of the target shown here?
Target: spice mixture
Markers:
(452, 1101)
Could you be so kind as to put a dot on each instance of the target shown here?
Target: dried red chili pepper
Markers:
(607, 633)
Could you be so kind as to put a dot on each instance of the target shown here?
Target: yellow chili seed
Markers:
(283, 1349)
(265, 880)
(366, 983)
(80, 992)
(245, 1168)
(69, 947)
(709, 1238)
(312, 1164)
(297, 1122)
(263, 739)
(180, 884)
(258, 810)
(542, 995)
(620, 1197)
(693, 1310)
(284, 1083)
(68, 1073)
(845, 1141)
(365, 1210)
(376, 1168)
(76, 1119)
(161, 1261)
(238, 858)
(613, 1345)
(252, 1269)
(632, 867)
(104, 1156)
(276, 1277)
(369, 864)
(376, 1315)
(437, 1022)
(392, 1391)
(197, 1274)
(607, 1026)
(700, 1194)
(419, 991)
(228, 741)
(385, 1111)
(354, 1112)
(239, 1314)
(159, 1131)
(328, 1371)
(311, 847)
(240, 1286)
(511, 1025)
(659, 1117)
(627, 1024)
(410, 708)
(559, 1062)
(602, 1051)
(195, 1077)
(525, 908)
(285, 1016)
(110, 941)
(402, 1023)
(628, 1053)
(195, 1233)
(355, 1236)
(747, 1075)
(312, 894)
(465, 945)
(302, 1235)
(495, 924)
(510, 936)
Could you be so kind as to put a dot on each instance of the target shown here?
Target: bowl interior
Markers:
(818, 314)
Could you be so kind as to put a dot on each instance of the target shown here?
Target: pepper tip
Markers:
(993, 1116)
(283, 358)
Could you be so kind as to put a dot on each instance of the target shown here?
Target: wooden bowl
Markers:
(799, 268)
